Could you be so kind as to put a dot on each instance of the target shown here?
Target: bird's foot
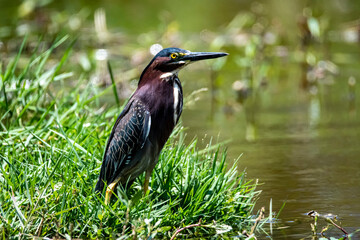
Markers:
(109, 192)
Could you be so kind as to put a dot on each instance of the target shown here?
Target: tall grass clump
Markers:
(52, 135)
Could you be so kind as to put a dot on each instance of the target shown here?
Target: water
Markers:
(306, 152)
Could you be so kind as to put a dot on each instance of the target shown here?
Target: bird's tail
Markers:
(99, 186)
(102, 180)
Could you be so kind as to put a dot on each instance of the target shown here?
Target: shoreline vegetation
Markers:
(52, 140)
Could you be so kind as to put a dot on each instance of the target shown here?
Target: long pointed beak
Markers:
(196, 56)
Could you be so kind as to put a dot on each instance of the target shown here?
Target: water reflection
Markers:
(306, 152)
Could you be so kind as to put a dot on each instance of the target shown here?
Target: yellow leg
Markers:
(110, 190)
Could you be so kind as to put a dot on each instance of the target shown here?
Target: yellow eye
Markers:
(173, 55)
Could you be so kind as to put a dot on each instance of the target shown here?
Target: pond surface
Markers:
(306, 152)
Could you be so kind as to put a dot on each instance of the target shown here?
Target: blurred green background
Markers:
(286, 96)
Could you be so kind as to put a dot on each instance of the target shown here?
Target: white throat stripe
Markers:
(166, 75)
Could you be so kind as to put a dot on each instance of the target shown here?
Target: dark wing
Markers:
(128, 135)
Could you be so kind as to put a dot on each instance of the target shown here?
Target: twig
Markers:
(187, 227)
(248, 236)
(339, 227)
(39, 228)
(134, 233)
(257, 220)
(127, 217)
(314, 215)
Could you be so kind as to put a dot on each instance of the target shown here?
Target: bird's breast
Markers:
(165, 101)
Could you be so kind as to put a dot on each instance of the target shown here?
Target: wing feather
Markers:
(128, 135)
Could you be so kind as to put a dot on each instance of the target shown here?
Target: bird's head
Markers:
(170, 60)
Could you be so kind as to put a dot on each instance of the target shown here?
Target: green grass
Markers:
(51, 144)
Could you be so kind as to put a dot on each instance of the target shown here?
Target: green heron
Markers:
(147, 120)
